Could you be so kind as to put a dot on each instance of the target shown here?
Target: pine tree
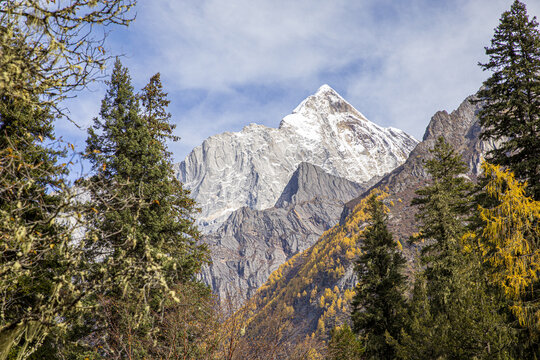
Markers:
(154, 240)
(28, 265)
(443, 207)
(44, 54)
(379, 304)
(344, 345)
(453, 314)
(511, 96)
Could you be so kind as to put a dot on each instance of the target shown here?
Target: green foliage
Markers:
(62, 256)
(49, 49)
(46, 280)
(344, 345)
(379, 304)
(45, 51)
(472, 325)
(511, 96)
(443, 206)
(453, 313)
(29, 262)
(151, 244)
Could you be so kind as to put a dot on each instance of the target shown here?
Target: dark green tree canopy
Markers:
(127, 145)
(452, 314)
(379, 303)
(511, 96)
(444, 203)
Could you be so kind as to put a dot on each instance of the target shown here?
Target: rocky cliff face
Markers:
(461, 129)
(307, 281)
(251, 168)
(251, 244)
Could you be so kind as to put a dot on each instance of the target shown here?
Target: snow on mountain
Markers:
(251, 167)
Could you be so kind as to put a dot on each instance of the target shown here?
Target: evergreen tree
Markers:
(154, 240)
(344, 345)
(453, 313)
(26, 233)
(43, 55)
(443, 207)
(379, 304)
(511, 96)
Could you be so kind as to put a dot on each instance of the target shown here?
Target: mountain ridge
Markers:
(252, 167)
(251, 244)
(317, 284)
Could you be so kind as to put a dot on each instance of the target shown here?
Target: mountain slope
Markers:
(251, 244)
(461, 129)
(252, 167)
(316, 285)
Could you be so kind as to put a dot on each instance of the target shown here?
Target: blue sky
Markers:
(228, 63)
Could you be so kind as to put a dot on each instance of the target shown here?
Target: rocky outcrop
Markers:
(251, 168)
(309, 182)
(251, 244)
(461, 129)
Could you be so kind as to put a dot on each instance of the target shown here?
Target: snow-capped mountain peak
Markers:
(251, 167)
(326, 101)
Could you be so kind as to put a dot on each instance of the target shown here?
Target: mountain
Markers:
(251, 244)
(461, 129)
(251, 168)
(316, 286)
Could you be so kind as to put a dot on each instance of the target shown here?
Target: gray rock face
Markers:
(251, 244)
(461, 129)
(309, 181)
(252, 167)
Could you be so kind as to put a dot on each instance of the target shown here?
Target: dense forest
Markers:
(105, 266)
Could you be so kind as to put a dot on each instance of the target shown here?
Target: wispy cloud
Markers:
(230, 63)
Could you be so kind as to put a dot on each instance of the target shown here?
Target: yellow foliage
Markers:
(320, 325)
(349, 294)
(313, 293)
(329, 256)
(328, 293)
(509, 240)
(331, 312)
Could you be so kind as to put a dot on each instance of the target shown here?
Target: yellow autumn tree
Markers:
(510, 242)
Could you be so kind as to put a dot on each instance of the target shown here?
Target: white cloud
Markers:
(216, 44)
(253, 61)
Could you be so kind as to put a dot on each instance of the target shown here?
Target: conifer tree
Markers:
(154, 240)
(452, 314)
(27, 168)
(511, 96)
(442, 210)
(379, 304)
(344, 344)
(508, 239)
(44, 54)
